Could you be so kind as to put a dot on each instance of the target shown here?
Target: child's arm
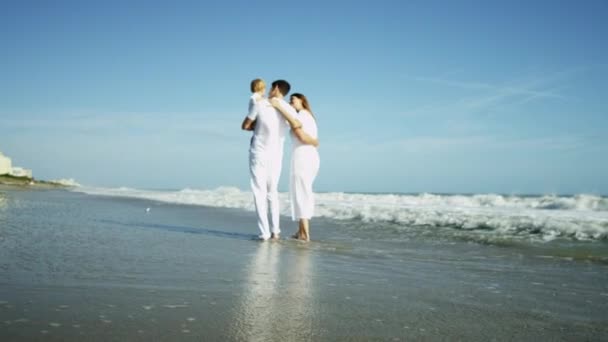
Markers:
(249, 121)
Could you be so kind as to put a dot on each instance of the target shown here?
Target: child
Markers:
(258, 87)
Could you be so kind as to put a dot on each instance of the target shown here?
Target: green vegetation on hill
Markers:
(7, 179)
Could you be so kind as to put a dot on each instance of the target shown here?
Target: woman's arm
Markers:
(296, 125)
(293, 122)
(305, 138)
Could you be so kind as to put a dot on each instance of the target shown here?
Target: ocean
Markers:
(99, 264)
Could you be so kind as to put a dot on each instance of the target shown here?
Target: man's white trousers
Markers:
(265, 173)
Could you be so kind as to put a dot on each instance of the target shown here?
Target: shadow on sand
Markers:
(184, 229)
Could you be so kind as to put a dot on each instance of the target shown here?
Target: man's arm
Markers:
(248, 124)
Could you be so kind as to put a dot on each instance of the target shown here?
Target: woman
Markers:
(304, 161)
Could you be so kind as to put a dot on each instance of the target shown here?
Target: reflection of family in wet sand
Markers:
(269, 119)
(277, 303)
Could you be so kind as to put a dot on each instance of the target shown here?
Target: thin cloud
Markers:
(169, 123)
(429, 144)
(524, 89)
(487, 96)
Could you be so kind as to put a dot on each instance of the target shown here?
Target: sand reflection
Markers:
(276, 303)
(254, 319)
(2, 216)
(297, 310)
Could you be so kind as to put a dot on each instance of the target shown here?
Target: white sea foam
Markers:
(67, 182)
(580, 217)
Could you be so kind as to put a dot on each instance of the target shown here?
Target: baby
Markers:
(258, 87)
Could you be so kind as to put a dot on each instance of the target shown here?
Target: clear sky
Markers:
(410, 96)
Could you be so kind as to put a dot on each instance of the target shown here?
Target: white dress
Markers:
(304, 168)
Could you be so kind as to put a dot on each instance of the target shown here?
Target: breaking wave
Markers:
(579, 217)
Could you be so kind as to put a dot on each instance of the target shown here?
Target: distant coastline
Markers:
(10, 181)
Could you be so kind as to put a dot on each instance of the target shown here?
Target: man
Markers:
(266, 156)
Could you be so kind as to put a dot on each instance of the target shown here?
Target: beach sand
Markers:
(75, 267)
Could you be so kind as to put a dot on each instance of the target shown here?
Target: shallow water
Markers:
(79, 267)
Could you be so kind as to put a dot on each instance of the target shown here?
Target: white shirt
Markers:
(270, 127)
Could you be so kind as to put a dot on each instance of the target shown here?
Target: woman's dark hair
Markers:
(305, 103)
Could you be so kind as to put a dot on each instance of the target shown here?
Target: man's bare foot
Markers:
(274, 236)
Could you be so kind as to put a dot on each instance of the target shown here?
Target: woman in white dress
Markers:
(304, 162)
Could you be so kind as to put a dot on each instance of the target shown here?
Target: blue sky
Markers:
(416, 96)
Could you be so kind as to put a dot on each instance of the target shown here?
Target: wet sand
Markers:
(75, 267)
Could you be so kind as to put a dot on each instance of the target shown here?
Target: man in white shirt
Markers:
(266, 156)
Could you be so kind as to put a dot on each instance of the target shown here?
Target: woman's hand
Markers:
(275, 102)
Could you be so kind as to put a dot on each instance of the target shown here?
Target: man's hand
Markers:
(248, 124)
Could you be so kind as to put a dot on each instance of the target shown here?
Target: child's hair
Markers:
(257, 85)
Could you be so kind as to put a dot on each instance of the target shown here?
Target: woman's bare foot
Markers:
(304, 230)
(274, 236)
(303, 235)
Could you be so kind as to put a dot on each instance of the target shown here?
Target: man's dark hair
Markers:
(283, 85)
